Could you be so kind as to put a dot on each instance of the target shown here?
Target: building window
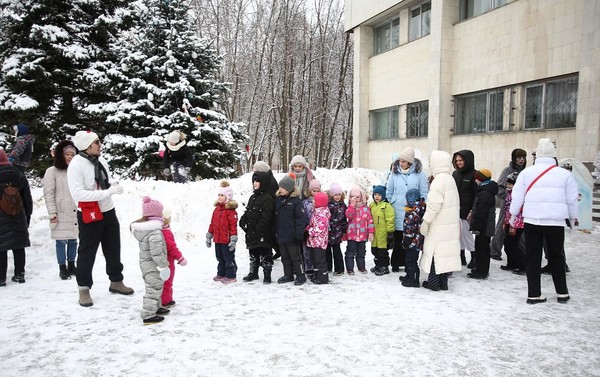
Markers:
(479, 112)
(387, 36)
(472, 8)
(384, 124)
(417, 115)
(551, 104)
(420, 21)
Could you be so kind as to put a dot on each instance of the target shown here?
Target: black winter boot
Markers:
(253, 274)
(300, 279)
(463, 259)
(267, 278)
(472, 263)
(72, 269)
(63, 272)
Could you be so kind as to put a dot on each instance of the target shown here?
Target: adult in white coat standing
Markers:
(441, 224)
(547, 195)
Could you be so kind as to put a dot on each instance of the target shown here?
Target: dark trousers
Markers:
(19, 262)
(534, 239)
(261, 257)
(105, 232)
(398, 253)
(514, 257)
(319, 263)
(482, 248)
(356, 249)
(412, 265)
(226, 258)
(381, 257)
(338, 257)
(438, 280)
(291, 259)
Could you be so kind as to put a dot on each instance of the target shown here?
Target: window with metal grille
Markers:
(384, 124)
(479, 112)
(551, 103)
(417, 115)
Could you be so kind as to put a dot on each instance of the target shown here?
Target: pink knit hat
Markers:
(357, 191)
(151, 207)
(335, 189)
(314, 184)
(226, 190)
(321, 200)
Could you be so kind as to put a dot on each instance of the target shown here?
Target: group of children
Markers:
(307, 226)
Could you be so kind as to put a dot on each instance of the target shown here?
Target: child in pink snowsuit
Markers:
(173, 254)
(360, 230)
(318, 237)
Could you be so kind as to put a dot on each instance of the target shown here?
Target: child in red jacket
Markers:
(173, 254)
(223, 228)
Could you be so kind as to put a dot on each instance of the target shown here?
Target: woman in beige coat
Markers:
(441, 224)
(62, 209)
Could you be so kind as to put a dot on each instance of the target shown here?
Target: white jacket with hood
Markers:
(442, 216)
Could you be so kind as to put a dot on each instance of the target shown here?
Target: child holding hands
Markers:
(223, 229)
(173, 254)
(153, 258)
(360, 229)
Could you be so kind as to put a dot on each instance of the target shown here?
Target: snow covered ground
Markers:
(360, 325)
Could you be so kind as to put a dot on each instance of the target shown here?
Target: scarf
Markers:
(177, 146)
(100, 173)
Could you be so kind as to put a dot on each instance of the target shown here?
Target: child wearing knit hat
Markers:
(290, 222)
(153, 259)
(360, 229)
(337, 229)
(318, 237)
(314, 187)
(384, 221)
(223, 229)
(173, 255)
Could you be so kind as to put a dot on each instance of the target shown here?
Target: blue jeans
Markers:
(71, 248)
(227, 266)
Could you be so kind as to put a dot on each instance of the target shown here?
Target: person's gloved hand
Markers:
(187, 170)
(232, 242)
(424, 228)
(115, 189)
(166, 172)
(165, 273)
(182, 261)
(390, 240)
(371, 236)
(53, 220)
(11, 159)
(513, 220)
(209, 237)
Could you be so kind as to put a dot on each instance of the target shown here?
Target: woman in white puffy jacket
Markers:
(441, 224)
(547, 195)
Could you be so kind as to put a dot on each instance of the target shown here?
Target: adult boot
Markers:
(253, 274)
(267, 278)
(85, 299)
(119, 287)
(72, 269)
(463, 259)
(472, 264)
(63, 272)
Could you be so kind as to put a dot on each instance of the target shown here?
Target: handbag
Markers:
(90, 212)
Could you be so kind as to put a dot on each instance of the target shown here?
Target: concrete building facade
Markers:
(485, 75)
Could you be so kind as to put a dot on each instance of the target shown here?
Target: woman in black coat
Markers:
(257, 222)
(464, 175)
(14, 234)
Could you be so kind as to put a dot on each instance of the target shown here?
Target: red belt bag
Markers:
(90, 212)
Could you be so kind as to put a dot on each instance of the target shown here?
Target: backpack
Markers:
(11, 202)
